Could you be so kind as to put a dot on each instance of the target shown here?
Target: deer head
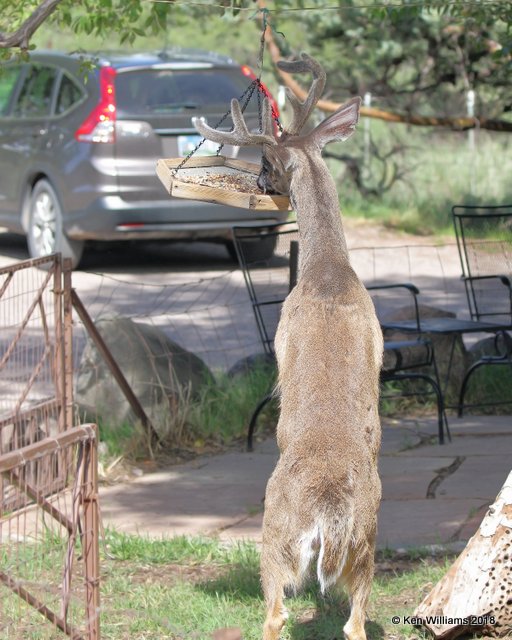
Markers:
(280, 155)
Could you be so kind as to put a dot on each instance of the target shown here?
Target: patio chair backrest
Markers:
(268, 279)
(484, 239)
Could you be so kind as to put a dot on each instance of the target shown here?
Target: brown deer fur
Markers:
(322, 499)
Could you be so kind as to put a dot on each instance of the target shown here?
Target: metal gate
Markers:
(48, 467)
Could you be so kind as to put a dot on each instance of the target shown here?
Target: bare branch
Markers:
(458, 123)
(21, 37)
(389, 170)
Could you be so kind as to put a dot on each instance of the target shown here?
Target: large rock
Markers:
(162, 375)
(492, 346)
(255, 362)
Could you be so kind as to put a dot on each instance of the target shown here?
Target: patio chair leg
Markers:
(441, 411)
(463, 387)
(254, 418)
(442, 420)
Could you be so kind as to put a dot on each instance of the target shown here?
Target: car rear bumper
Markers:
(112, 218)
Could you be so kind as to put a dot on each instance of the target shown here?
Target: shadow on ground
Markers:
(322, 620)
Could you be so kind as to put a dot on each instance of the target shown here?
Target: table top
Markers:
(447, 325)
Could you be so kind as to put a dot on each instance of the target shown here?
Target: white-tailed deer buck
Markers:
(322, 499)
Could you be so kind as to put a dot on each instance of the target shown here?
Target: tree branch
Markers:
(461, 123)
(21, 37)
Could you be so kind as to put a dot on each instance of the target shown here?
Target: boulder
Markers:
(492, 346)
(162, 375)
(254, 362)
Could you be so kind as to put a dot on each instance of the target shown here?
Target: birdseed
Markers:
(245, 183)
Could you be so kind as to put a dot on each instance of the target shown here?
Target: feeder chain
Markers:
(246, 97)
(250, 91)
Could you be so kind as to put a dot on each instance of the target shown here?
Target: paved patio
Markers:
(432, 494)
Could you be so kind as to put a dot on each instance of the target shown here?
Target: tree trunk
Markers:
(476, 594)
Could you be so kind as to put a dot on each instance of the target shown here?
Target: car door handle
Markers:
(39, 132)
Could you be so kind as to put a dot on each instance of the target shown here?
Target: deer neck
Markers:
(314, 197)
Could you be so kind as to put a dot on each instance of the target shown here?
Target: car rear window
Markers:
(170, 91)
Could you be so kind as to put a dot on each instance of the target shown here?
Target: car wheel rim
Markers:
(44, 224)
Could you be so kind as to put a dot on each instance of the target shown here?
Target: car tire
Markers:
(45, 233)
(254, 250)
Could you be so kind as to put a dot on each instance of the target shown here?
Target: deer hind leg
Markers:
(357, 578)
(276, 618)
(276, 612)
(276, 575)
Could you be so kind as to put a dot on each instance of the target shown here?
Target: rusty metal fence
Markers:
(36, 377)
(49, 563)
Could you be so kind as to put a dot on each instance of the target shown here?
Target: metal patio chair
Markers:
(484, 240)
(269, 280)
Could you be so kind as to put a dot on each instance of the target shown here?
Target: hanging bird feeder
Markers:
(220, 179)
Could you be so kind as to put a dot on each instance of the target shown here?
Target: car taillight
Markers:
(99, 126)
(247, 71)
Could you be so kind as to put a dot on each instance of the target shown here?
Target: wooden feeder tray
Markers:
(220, 180)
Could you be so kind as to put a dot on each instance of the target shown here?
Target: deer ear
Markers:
(340, 125)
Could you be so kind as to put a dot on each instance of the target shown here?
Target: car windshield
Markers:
(169, 91)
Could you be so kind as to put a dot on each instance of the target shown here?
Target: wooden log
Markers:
(475, 595)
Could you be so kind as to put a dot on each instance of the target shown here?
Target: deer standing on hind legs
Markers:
(322, 499)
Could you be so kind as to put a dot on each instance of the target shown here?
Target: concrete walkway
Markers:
(432, 494)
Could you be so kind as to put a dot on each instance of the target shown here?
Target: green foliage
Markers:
(130, 18)
(188, 587)
(119, 439)
(488, 384)
(415, 58)
(419, 57)
(218, 416)
(224, 409)
(181, 549)
(438, 169)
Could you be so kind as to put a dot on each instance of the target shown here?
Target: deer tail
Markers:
(331, 539)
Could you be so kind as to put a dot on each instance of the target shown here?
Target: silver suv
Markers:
(78, 148)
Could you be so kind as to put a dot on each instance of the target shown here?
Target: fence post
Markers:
(91, 538)
(59, 353)
(67, 308)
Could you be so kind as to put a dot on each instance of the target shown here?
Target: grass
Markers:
(185, 588)
(491, 384)
(440, 169)
(218, 416)
(406, 397)
(224, 409)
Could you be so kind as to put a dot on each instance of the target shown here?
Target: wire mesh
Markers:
(45, 553)
(207, 311)
(485, 243)
(31, 386)
(46, 465)
(269, 278)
